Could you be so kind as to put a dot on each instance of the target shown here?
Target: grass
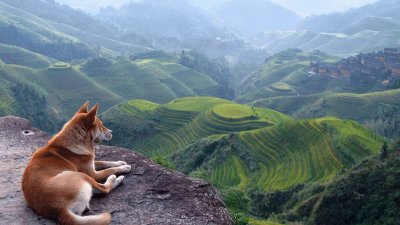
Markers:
(234, 111)
(262, 222)
(195, 104)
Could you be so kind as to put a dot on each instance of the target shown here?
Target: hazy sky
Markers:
(302, 7)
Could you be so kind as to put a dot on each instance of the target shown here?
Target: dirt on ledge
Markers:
(149, 194)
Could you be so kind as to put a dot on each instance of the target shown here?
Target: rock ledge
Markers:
(150, 194)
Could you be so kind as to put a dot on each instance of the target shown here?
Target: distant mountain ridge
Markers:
(178, 24)
(360, 30)
(384, 10)
(249, 18)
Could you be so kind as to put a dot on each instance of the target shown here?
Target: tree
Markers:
(384, 151)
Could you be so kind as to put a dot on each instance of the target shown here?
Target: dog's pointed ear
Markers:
(91, 115)
(84, 108)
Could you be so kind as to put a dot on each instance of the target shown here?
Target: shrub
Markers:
(164, 162)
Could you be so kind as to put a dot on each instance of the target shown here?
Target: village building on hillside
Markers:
(371, 66)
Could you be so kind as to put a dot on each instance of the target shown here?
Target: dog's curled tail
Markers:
(67, 217)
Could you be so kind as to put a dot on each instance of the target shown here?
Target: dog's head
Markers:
(93, 124)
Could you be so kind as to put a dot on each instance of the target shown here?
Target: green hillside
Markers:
(364, 194)
(280, 157)
(149, 79)
(377, 110)
(284, 74)
(253, 151)
(239, 146)
(20, 28)
(109, 81)
(19, 56)
(175, 125)
(60, 32)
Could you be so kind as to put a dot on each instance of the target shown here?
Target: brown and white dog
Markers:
(59, 179)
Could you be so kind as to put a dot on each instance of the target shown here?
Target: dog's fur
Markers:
(59, 179)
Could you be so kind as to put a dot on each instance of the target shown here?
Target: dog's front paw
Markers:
(111, 179)
(125, 168)
(117, 182)
(120, 163)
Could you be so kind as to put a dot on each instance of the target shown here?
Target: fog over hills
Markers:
(194, 84)
(301, 7)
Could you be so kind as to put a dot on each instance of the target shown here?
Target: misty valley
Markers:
(293, 118)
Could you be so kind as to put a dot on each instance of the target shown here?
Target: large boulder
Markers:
(149, 194)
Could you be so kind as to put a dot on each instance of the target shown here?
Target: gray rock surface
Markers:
(150, 194)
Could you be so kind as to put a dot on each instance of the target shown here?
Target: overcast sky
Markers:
(302, 7)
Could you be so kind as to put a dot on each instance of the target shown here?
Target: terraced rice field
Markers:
(231, 173)
(6, 100)
(359, 107)
(202, 117)
(299, 152)
(149, 79)
(273, 151)
(283, 74)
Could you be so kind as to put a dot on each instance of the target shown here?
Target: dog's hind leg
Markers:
(80, 186)
(100, 165)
